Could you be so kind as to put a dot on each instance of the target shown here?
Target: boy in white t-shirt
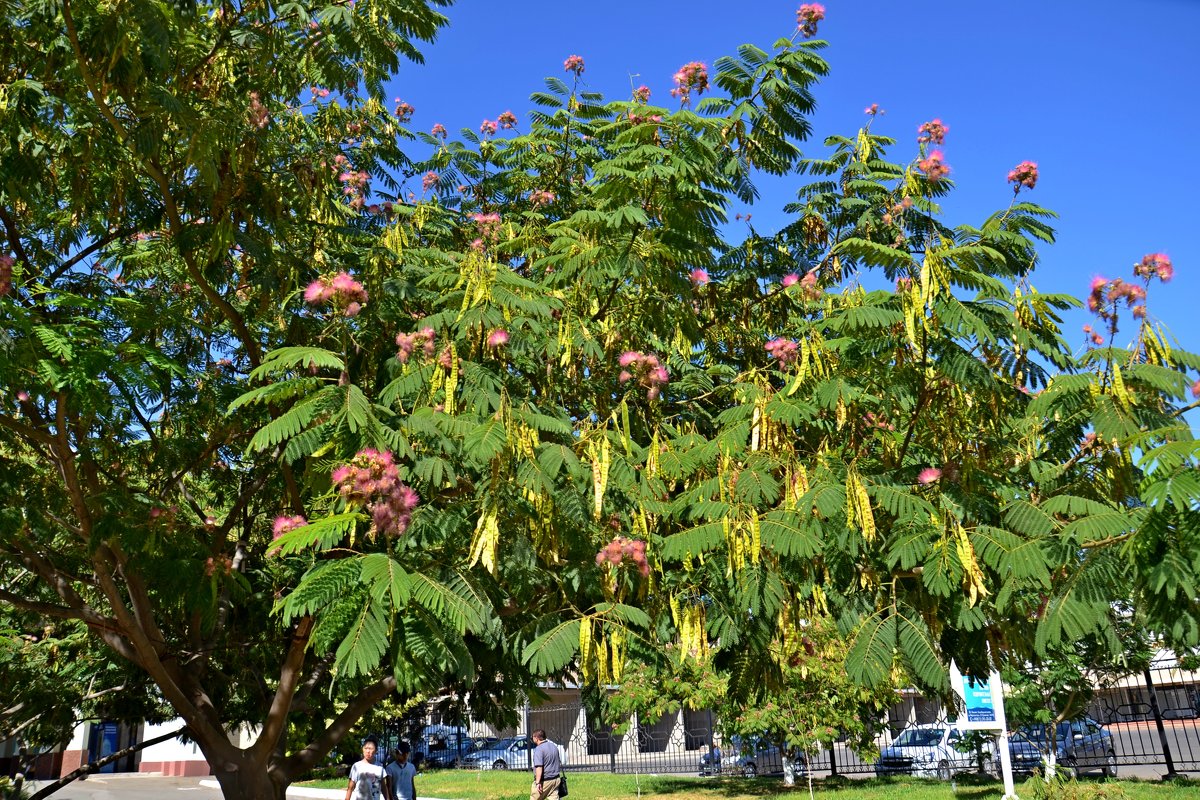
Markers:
(367, 779)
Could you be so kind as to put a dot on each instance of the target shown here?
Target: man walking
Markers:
(547, 767)
(400, 774)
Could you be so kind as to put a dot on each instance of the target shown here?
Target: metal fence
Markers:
(1151, 723)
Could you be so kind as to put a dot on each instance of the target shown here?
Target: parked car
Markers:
(1080, 745)
(929, 751)
(511, 753)
(748, 756)
(441, 746)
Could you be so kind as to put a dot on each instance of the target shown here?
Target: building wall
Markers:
(172, 757)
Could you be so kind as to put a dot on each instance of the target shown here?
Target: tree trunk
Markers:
(242, 779)
(789, 767)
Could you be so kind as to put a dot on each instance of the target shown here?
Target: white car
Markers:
(928, 751)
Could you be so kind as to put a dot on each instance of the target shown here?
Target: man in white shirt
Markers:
(401, 775)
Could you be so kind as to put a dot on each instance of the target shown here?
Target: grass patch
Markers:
(472, 785)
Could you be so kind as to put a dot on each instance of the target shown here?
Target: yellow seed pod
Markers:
(603, 672)
(865, 515)
(1120, 392)
(973, 578)
(618, 654)
(755, 540)
(585, 648)
(486, 547)
(851, 498)
(819, 601)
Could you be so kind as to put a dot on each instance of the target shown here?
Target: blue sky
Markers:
(1105, 96)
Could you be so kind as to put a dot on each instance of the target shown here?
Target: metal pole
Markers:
(832, 760)
(1162, 731)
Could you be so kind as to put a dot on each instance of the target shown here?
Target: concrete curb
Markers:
(305, 791)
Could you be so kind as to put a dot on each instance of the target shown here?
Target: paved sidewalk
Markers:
(305, 791)
(140, 786)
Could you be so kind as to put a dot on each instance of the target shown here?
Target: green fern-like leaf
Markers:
(554, 649)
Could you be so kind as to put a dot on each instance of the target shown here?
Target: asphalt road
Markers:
(134, 786)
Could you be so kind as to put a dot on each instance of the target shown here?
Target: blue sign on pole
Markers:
(977, 696)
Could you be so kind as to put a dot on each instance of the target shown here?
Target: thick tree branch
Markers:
(289, 679)
(306, 758)
(14, 236)
(21, 429)
(36, 607)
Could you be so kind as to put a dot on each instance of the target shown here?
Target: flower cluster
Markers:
(488, 127)
(215, 565)
(638, 119)
(497, 338)
(1196, 390)
(1155, 264)
(934, 167)
(488, 226)
(355, 183)
(933, 131)
(371, 478)
(808, 284)
(319, 93)
(574, 64)
(507, 120)
(692, 76)
(259, 116)
(784, 351)
(928, 475)
(541, 197)
(1094, 335)
(6, 265)
(807, 18)
(1023, 174)
(340, 289)
(430, 180)
(620, 550)
(408, 342)
(438, 130)
(404, 112)
(698, 277)
(1104, 295)
(647, 370)
(877, 421)
(873, 110)
(642, 94)
(285, 524)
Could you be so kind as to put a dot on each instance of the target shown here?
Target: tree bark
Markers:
(246, 779)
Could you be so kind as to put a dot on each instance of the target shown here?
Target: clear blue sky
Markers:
(1105, 96)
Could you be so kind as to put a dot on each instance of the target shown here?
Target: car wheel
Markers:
(750, 771)
(499, 764)
(1110, 765)
(1069, 770)
(943, 770)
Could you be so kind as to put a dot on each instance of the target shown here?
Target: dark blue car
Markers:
(1080, 745)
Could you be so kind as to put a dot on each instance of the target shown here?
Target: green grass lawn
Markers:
(470, 785)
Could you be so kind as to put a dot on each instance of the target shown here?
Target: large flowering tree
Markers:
(304, 406)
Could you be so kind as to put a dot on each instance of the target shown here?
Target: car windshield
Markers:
(503, 744)
(1038, 734)
(919, 737)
